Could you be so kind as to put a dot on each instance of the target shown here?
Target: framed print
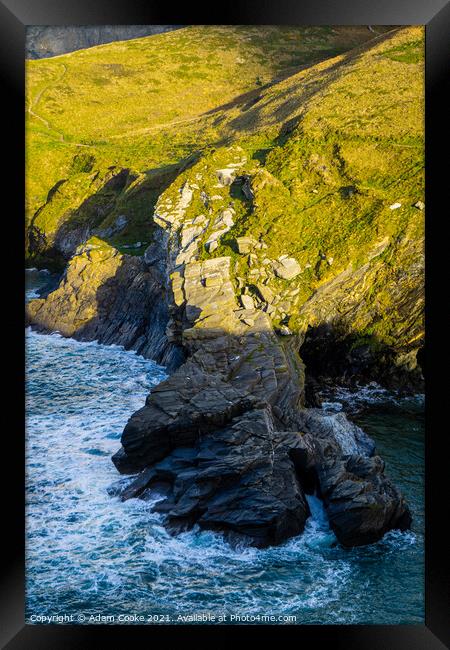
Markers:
(230, 417)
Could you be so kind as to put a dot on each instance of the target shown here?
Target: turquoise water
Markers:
(89, 555)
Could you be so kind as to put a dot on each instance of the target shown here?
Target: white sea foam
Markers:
(370, 394)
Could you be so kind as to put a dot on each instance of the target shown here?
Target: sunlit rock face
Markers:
(111, 298)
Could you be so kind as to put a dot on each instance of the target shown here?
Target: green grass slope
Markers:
(335, 162)
(146, 105)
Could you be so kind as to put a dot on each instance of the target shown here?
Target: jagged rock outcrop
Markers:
(361, 503)
(211, 428)
(51, 40)
(226, 436)
(111, 298)
(93, 201)
(340, 462)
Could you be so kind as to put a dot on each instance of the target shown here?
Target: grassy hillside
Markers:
(330, 144)
(334, 158)
(351, 144)
(146, 105)
(324, 179)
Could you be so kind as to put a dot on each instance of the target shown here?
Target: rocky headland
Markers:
(111, 298)
(227, 436)
(268, 269)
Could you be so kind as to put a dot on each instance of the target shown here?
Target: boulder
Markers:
(222, 224)
(154, 254)
(265, 292)
(225, 176)
(247, 301)
(120, 222)
(211, 246)
(361, 503)
(245, 245)
(286, 268)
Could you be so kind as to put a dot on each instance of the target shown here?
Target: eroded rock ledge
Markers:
(226, 438)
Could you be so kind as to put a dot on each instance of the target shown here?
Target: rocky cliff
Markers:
(111, 298)
(226, 436)
(44, 41)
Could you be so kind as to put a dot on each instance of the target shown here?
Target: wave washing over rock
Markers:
(90, 553)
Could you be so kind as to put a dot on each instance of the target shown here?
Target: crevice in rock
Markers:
(306, 474)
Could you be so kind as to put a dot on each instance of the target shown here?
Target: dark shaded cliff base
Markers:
(335, 358)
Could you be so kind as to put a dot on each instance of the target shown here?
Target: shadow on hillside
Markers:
(118, 212)
(287, 101)
(130, 308)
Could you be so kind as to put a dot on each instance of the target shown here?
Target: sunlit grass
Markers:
(142, 103)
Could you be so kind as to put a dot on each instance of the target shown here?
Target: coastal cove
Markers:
(83, 542)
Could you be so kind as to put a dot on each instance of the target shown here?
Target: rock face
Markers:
(360, 502)
(332, 350)
(110, 298)
(45, 41)
(226, 436)
(210, 431)
(287, 268)
(93, 201)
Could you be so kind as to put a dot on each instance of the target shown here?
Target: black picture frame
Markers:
(15, 15)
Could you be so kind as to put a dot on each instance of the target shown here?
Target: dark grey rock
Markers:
(361, 503)
(233, 480)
